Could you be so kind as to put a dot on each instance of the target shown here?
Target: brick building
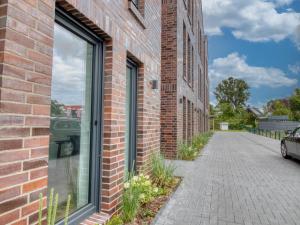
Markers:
(184, 79)
(78, 102)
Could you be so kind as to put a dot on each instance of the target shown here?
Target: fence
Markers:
(275, 134)
(276, 125)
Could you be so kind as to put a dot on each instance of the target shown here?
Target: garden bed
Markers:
(144, 195)
(148, 211)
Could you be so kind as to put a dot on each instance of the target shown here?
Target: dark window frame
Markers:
(69, 23)
(133, 116)
(135, 3)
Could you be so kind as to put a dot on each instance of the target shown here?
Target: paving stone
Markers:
(240, 179)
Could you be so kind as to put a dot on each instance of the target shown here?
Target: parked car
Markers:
(64, 137)
(290, 144)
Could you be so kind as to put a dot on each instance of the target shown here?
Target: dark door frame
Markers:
(69, 23)
(133, 116)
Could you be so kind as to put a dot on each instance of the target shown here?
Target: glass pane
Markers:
(69, 151)
(128, 118)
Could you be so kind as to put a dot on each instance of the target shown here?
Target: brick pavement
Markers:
(241, 178)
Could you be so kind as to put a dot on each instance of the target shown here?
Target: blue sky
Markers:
(255, 40)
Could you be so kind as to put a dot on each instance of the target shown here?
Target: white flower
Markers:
(135, 178)
(126, 185)
(155, 189)
(147, 177)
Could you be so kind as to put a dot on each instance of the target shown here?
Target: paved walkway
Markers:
(240, 179)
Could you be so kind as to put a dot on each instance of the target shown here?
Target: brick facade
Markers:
(25, 87)
(184, 86)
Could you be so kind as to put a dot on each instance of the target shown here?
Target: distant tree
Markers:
(56, 108)
(212, 110)
(295, 104)
(274, 104)
(234, 92)
(279, 109)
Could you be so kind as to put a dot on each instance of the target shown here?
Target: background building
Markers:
(184, 85)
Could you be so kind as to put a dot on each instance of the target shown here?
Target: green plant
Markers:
(190, 151)
(115, 220)
(130, 202)
(162, 173)
(52, 209)
(187, 152)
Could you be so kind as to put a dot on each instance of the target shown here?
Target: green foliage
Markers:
(130, 204)
(190, 151)
(237, 118)
(162, 173)
(295, 104)
(56, 108)
(52, 209)
(115, 220)
(234, 92)
(142, 189)
(138, 190)
(279, 109)
(186, 152)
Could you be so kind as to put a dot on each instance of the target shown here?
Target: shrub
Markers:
(187, 152)
(190, 151)
(130, 203)
(138, 190)
(162, 173)
(115, 220)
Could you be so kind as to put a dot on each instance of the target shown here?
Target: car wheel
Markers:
(284, 151)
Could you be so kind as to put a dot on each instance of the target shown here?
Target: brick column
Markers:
(25, 79)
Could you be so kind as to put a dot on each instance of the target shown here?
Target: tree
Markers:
(234, 92)
(295, 104)
(56, 108)
(279, 109)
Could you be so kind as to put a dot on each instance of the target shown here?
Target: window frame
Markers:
(72, 25)
(132, 157)
(135, 3)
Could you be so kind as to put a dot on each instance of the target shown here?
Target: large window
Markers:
(74, 129)
(184, 49)
(131, 105)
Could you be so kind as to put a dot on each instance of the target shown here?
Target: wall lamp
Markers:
(154, 84)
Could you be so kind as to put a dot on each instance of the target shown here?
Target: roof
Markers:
(256, 111)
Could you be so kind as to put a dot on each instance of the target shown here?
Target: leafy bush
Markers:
(138, 190)
(162, 173)
(115, 220)
(190, 151)
(130, 203)
(186, 152)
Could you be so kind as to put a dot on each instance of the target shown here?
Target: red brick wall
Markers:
(25, 84)
(178, 57)
(26, 59)
(169, 81)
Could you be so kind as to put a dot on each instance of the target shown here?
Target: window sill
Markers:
(136, 13)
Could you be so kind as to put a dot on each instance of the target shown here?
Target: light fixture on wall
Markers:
(154, 84)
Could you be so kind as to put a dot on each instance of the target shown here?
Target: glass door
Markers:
(76, 92)
(131, 102)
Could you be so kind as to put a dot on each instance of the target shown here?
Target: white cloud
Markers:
(252, 20)
(236, 66)
(295, 68)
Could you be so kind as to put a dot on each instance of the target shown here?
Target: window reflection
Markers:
(69, 150)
